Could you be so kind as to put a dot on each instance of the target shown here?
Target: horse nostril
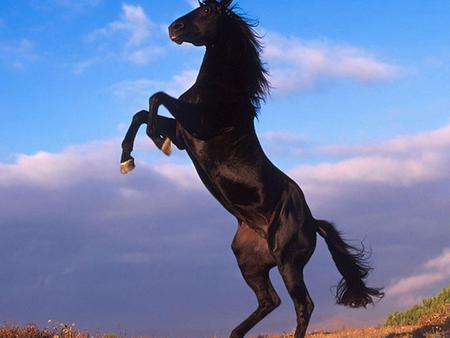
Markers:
(177, 26)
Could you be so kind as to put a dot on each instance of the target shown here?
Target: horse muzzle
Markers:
(176, 31)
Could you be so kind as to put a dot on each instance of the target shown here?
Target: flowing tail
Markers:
(353, 266)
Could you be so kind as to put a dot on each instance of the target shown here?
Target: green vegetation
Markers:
(431, 310)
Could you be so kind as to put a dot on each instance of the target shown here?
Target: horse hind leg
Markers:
(255, 262)
(304, 306)
(290, 265)
(293, 239)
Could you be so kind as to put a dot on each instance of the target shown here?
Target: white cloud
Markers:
(185, 79)
(92, 161)
(52, 171)
(441, 262)
(17, 54)
(192, 3)
(184, 176)
(81, 66)
(283, 142)
(402, 161)
(142, 88)
(379, 169)
(436, 140)
(411, 288)
(135, 22)
(145, 55)
(134, 33)
(283, 137)
(298, 65)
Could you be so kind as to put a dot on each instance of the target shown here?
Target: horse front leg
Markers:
(166, 130)
(163, 143)
(191, 116)
(126, 160)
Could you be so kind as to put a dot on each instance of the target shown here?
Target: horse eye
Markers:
(207, 10)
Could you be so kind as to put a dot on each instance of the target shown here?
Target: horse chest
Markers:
(233, 188)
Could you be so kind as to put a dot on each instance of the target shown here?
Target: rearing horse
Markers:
(214, 123)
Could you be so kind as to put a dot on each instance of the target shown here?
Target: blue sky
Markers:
(359, 116)
(61, 69)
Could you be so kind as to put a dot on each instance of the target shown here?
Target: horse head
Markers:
(201, 26)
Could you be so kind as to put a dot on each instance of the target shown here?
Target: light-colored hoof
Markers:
(166, 148)
(126, 167)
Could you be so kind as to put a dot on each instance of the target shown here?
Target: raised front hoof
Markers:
(166, 147)
(127, 166)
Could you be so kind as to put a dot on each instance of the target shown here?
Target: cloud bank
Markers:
(409, 290)
(297, 65)
(403, 161)
(82, 243)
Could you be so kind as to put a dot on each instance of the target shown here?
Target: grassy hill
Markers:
(431, 319)
(432, 310)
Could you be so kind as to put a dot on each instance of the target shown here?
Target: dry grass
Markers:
(429, 331)
(431, 327)
(55, 330)
(440, 328)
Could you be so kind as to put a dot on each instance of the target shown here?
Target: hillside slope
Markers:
(429, 319)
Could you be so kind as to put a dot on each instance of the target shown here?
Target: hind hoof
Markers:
(166, 148)
(127, 166)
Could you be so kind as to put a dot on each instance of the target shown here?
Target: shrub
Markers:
(436, 308)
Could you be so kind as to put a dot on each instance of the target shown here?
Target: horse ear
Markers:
(225, 3)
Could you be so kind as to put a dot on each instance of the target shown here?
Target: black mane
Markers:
(242, 48)
(258, 85)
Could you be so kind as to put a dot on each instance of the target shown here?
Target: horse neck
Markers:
(218, 66)
(225, 70)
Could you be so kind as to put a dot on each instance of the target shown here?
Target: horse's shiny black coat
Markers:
(214, 123)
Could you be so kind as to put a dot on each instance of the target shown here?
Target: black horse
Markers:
(214, 123)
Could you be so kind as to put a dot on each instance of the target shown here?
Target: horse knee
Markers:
(140, 117)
